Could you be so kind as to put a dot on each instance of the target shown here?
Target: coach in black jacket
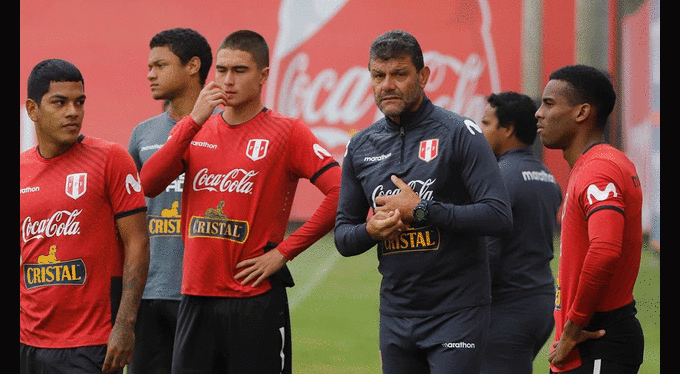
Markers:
(435, 189)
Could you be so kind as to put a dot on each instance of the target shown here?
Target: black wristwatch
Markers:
(421, 212)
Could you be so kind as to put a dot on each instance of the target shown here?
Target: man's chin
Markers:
(392, 110)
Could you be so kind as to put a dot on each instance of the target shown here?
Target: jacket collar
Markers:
(528, 150)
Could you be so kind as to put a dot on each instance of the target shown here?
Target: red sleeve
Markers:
(122, 183)
(166, 164)
(605, 232)
(602, 201)
(323, 219)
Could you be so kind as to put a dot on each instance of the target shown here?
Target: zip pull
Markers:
(401, 131)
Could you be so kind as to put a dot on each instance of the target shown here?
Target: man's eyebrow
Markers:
(231, 66)
(64, 97)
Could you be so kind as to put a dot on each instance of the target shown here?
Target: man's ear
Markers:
(584, 112)
(509, 130)
(264, 74)
(423, 76)
(32, 109)
(194, 65)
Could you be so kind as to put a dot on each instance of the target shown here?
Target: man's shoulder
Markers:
(453, 122)
(367, 133)
(152, 122)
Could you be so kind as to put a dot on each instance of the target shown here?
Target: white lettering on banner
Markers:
(349, 97)
(237, 180)
(61, 223)
(422, 188)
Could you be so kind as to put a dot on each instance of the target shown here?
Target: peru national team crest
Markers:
(257, 149)
(76, 184)
(428, 149)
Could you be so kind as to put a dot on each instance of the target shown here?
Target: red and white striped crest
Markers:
(428, 149)
(257, 149)
(76, 184)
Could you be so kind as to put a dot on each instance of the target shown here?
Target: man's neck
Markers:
(236, 115)
(579, 145)
(49, 150)
(182, 105)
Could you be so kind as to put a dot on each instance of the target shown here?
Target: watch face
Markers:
(419, 214)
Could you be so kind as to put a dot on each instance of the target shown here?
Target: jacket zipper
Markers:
(402, 135)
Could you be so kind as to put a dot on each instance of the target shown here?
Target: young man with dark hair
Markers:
(179, 61)
(434, 188)
(596, 330)
(242, 166)
(522, 285)
(83, 242)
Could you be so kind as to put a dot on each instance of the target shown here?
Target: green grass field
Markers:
(334, 312)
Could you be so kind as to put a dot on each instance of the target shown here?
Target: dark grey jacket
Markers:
(442, 266)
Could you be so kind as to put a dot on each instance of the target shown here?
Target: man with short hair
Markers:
(522, 285)
(242, 167)
(83, 242)
(179, 62)
(433, 185)
(596, 330)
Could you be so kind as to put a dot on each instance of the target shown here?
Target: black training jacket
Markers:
(443, 266)
(520, 262)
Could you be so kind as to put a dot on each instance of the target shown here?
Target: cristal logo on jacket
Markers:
(61, 223)
(237, 180)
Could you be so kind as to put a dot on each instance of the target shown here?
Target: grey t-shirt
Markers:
(163, 215)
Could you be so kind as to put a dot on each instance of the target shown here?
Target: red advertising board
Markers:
(318, 65)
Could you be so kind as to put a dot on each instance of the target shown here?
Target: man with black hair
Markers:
(242, 166)
(522, 285)
(434, 188)
(83, 240)
(179, 61)
(596, 330)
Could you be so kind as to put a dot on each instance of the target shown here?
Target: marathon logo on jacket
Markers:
(413, 239)
(215, 224)
(49, 271)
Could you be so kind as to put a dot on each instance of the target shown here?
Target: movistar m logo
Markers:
(598, 194)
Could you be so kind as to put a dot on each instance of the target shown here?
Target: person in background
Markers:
(522, 284)
(179, 62)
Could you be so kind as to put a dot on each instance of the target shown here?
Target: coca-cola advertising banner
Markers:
(318, 57)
